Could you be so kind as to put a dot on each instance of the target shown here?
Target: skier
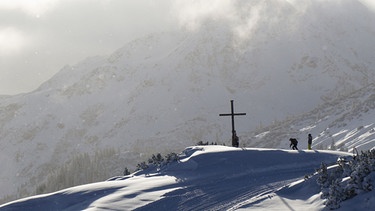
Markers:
(293, 143)
(309, 142)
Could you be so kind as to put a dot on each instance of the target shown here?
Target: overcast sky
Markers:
(39, 37)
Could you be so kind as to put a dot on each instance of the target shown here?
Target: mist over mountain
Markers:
(163, 92)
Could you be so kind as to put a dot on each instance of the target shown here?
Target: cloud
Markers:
(11, 41)
(191, 14)
(45, 35)
(370, 4)
(238, 17)
(39, 37)
(34, 7)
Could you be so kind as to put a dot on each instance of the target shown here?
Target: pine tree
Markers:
(335, 195)
(356, 175)
(343, 164)
(323, 180)
(126, 171)
(367, 184)
(142, 166)
(171, 157)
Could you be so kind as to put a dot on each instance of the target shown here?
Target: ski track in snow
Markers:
(237, 191)
(242, 192)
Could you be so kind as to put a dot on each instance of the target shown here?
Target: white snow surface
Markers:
(207, 178)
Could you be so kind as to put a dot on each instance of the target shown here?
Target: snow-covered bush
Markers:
(171, 157)
(323, 180)
(346, 179)
(142, 166)
(344, 166)
(201, 143)
(126, 171)
(335, 195)
(158, 161)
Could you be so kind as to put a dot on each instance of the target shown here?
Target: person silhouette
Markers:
(293, 143)
(235, 140)
(309, 141)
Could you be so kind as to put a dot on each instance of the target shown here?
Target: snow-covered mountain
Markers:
(206, 178)
(163, 92)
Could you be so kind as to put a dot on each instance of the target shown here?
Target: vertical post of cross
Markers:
(232, 114)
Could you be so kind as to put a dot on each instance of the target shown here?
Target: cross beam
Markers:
(232, 114)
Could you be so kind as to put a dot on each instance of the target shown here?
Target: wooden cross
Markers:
(232, 114)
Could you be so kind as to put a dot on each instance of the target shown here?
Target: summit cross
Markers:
(232, 114)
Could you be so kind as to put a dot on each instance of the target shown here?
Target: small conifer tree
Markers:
(126, 171)
(335, 195)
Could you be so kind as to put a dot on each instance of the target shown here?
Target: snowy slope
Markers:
(205, 178)
(165, 91)
(344, 123)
